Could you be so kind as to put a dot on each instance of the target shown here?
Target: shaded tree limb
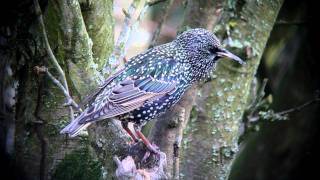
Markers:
(98, 19)
(54, 61)
(117, 56)
(7, 106)
(39, 123)
(168, 129)
(165, 11)
(300, 107)
(221, 102)
(69, 101)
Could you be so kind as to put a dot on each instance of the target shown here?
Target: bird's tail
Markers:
(75, 127)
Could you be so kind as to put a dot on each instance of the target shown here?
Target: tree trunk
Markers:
(81, 46)
(168, 129)
(212, 135)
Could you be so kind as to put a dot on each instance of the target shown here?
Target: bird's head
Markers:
(203, 48)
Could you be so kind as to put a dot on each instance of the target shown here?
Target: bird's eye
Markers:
(212, 50)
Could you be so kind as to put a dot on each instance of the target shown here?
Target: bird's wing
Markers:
(128, 95)
(89, 98)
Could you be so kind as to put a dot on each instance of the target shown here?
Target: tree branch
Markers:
(64, 85)
(221, 102)
(69, 99)
(168, 129)
(48, 48)
(176, 146)
(300, 107)
(165, 11)
(118, 53)
(117, 58)
(39, 131)
(154, 2)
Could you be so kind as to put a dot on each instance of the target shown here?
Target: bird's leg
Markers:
(125, 127)
(145, 140)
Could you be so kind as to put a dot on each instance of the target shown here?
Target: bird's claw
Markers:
(152, 150)
(145, 157)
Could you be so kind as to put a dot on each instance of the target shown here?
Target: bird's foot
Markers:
(152, 149)
(143, 156)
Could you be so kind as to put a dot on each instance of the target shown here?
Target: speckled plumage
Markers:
(153, 81)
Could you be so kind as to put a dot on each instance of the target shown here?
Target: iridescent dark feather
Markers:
(127, 96)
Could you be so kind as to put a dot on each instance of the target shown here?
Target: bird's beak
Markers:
(225, 53)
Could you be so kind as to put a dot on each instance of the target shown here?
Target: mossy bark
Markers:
(212, 134)
(167, 130)
(86, 42)
(98, 18)
(77, 45)
(39, 147)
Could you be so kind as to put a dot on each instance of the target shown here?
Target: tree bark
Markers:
(40, 150)
(86, 37)
(99, 21)
(168, 129)
(212, 135)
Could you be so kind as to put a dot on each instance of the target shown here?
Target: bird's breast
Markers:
(153, 109)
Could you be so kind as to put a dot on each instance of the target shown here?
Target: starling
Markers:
(152, 82)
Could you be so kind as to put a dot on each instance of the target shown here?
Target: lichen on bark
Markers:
(98, 18)
(76, 44)
(222, 101)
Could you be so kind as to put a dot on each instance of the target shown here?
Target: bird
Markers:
(152, 82)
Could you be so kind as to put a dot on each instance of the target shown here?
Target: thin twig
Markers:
(117, 55)
(299, 108)
(279, 115)
(64, 85)
(177, 143)
(129, 26)
(258, 99)
(297, 23)
(70, 101)
(48, 48)
(154, 2)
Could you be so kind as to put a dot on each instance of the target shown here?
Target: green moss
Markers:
(79, 165)
(51, 20)
(100, 32)
(224, 99)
